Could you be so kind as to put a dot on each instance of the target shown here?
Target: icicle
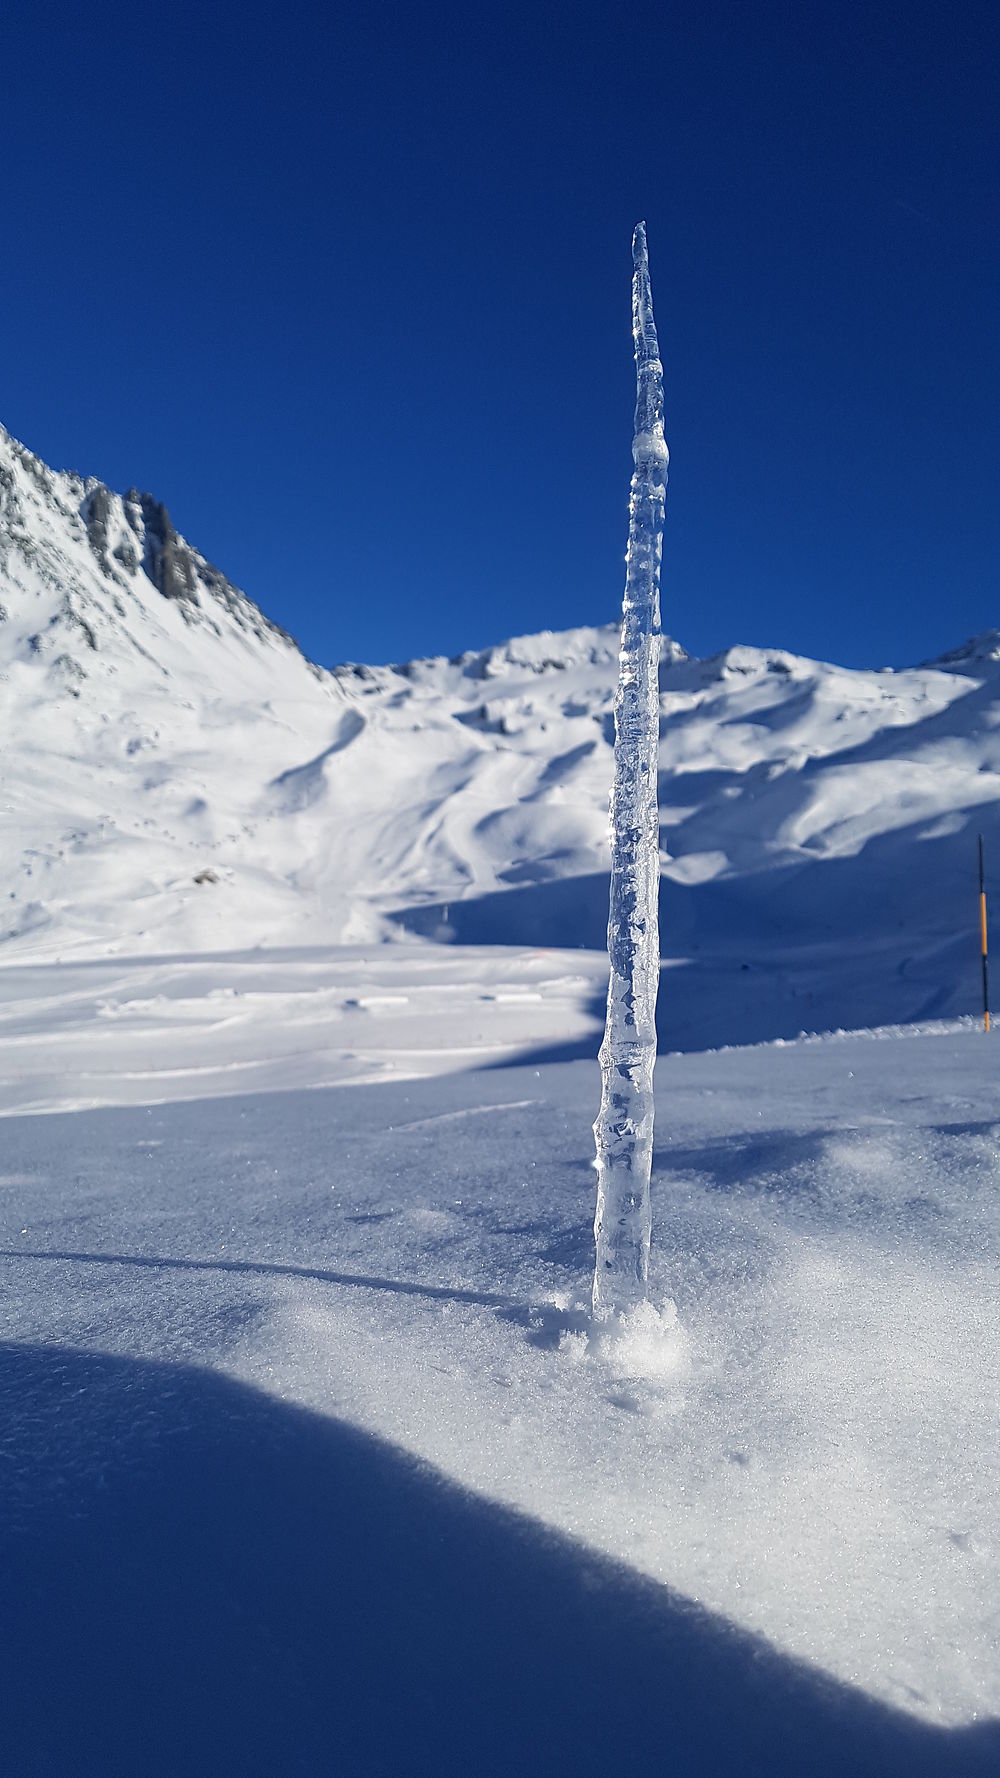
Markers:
(624, 1127)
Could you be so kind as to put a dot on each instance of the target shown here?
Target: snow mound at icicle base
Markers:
(645, 1342)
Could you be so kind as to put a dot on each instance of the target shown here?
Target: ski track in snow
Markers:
(454, 1117)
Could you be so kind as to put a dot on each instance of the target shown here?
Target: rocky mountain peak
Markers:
(78, 561)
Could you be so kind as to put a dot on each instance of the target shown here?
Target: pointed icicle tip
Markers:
(639, 244)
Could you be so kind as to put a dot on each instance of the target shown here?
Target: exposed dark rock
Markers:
(133, 511)
(10, 506)
(96, 512)
(167, 561)
(200, 591)
(38, 471)
(69, 614)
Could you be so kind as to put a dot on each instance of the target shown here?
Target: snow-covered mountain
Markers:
(175, 775)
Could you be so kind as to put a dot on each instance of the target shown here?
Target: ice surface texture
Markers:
(624, 1127)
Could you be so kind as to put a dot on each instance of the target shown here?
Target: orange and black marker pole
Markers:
(982, 936)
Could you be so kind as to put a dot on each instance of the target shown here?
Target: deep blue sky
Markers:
(348, 288)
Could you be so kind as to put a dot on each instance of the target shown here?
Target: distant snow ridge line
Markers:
(546, 652)
(980, 650)
(176, 777)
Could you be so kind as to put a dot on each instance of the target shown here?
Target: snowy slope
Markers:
(175, 776)
(310, 1444)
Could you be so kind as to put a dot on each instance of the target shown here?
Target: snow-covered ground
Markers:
(806, 1465)
(311, 1462)
(141, 1031)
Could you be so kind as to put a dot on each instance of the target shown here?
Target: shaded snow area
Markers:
(313, 1464)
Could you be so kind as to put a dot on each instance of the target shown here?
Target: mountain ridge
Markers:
(130, 538)
(176, 775)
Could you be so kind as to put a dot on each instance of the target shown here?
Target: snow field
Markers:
(809, 1450)
(204, 1267)
(175, 777)
(142, 1031)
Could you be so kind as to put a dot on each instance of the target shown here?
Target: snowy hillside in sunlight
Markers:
(175, 777)
(312, 1450)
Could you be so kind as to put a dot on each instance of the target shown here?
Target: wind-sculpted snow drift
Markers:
(175, 777)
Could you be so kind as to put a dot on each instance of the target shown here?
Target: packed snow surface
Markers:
(798, 1433)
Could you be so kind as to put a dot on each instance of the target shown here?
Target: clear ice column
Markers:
(624, 1127)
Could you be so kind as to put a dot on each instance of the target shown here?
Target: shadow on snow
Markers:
(884, 936)
(201, 1580)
